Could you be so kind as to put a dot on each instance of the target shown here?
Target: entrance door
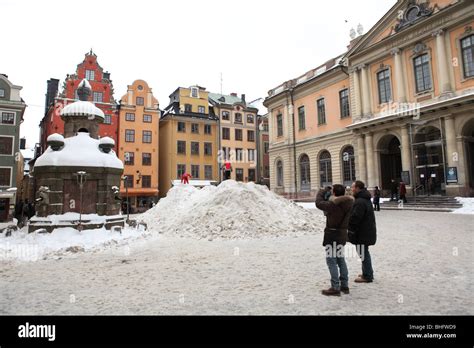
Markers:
(72, 197)
(390, 161)
(305, 178)
(4, 209)
(431, 179)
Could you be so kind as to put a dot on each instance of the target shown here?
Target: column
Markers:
(355, 74)
(369, 148)
(406, 153)
(452, 154)
(443, 72)
(461, 164)
(362, 175)
(366, 106)
(399, 76)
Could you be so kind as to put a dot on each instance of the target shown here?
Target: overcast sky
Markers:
(255, 44)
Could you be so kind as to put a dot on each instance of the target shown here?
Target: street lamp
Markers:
(124, 179)
(81, 179)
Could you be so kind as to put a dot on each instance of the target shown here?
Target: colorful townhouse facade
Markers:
(397, 105)
(139, 118)
(188, 138)
(12, 109)
(102, 96)
(237, 135)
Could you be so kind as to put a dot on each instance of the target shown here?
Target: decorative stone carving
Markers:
(412, 14)
(420, 47)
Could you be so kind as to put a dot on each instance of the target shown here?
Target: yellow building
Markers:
(238, 135)
(188, 138)
(138, 145)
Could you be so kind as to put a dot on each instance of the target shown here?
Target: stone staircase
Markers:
(425, 203)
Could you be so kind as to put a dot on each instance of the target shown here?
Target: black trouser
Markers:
(376, 206)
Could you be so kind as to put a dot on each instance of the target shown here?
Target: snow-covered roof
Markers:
(82, 108)
(55, 137)
(107, 140)
(84, 83)
(81, 151)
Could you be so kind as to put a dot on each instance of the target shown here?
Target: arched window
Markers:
(348, 166)
(325, 168)
(305, 177)
(279, 168)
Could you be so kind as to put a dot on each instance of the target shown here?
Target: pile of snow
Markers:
(24, 246)
(231, 210)
(467, 205)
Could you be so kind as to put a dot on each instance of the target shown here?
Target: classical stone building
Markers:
(80, 157)
(411, 105)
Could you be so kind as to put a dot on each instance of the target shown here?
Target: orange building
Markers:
(139, 145)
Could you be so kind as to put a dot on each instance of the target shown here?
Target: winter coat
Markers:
(362, 228)
(337, 211)
(403, 189)
(393, 187)
(377, 196)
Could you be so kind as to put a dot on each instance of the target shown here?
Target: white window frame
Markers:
(14, 117)
(93, 75)
(11, 176)
(197, 92)
(2, 95)
(13, 145)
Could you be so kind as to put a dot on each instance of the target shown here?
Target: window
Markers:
(344, 103)
(251, 154)
(280, 125)
(321, 111)
(195, 128)
(208, 172)
(348, 164)
(250, 118)
(97, 97)
(250, 135)
(383, 82)
(129, 135)
(6, 145)
(181, 147)
(467, 48)
(238, 118)
(194, 92)
(181, 127)
(147, 118)
(239, 154)
(129, 158)
(208, 149)
(195, 171)
(239, 174)
(147, 137)
(422, 73)
(194, 148)
(226, 151)
(301, 118)
(146, 181)
(107, 119)
(238, 134)
(225, 115)
(129, 116)
(181, 170)
(129, 181)
(279, 167)
(8, 118)
(2, 93)
(207, 129)
(252, 175)
(90, 74)
(201, 109)
(325, 168)
(5, 176)
(146, 159)
(140, 101)
(266, 146)
(188, 108)
(226, 133)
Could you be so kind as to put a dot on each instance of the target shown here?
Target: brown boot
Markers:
(331, 292)
(361, 279)
(345, 290)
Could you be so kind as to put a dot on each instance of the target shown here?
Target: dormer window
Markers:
(2, 93)
(90, 74)
(194, 92)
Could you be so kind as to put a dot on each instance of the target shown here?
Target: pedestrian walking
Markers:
(362, 229)
(403, 192)
(185, 178)
(376, 199)
(337, 210)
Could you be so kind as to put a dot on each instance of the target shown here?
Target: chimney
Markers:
(51, 93)
(234, 94)
(243, 98)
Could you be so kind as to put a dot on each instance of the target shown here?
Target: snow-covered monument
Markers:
(78, 176)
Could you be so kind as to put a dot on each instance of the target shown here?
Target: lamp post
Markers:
(81, 179)
(124, 179)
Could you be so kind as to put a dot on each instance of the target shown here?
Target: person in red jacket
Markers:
(403, 192)
(185, 178)
(227, 168)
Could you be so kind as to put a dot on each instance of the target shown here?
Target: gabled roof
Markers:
(174, 110)
(225, 99)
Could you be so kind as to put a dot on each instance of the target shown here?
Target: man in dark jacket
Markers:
(362, 229)
(337, 210)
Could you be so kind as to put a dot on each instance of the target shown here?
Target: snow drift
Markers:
(231, 210)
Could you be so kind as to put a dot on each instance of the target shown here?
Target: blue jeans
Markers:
(338, 281)
(367, 271)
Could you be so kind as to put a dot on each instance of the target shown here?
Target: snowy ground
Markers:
(423, 264)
